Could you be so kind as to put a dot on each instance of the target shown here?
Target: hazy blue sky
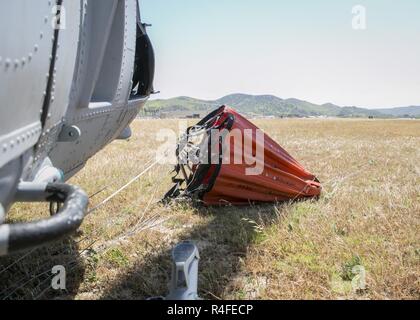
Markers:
(305, 49)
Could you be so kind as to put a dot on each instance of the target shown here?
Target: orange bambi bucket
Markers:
(225, 159)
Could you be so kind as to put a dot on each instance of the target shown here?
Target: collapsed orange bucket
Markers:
(235, 163)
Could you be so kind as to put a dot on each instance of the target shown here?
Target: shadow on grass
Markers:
(28, 275)
(223, 242)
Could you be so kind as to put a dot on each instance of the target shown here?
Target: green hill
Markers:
(267, 105)
(412, 111)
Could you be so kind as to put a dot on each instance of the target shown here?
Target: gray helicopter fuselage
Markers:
(73, 76)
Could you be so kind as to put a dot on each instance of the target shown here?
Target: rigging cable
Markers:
(117, 192)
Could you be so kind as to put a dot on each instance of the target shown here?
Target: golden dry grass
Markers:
(368, 215)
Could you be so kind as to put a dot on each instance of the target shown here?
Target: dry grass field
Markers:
(368, 215)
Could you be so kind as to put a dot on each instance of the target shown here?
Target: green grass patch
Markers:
(116, 258)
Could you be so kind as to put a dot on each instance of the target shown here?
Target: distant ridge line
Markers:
(270, 105)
